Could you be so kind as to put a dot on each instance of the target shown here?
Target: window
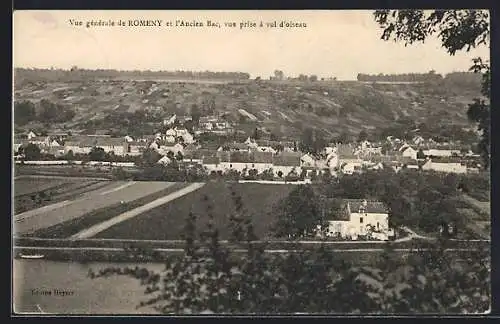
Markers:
(378, 225)
(230, 165)
(361, 220)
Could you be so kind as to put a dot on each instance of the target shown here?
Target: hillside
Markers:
(284, 108)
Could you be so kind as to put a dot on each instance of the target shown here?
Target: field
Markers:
(478, 216)
(73, 226)
(167, 221)
(110, 194)
(36, 192)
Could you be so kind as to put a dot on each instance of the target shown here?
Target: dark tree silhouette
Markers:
(31, 152)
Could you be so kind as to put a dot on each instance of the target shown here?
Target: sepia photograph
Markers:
(251, 162)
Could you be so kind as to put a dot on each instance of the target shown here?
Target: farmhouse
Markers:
(409, 152)
(135, 148)
(244, 161)
(358, 217)
(84, 144)
(177, 148)
(285, 163)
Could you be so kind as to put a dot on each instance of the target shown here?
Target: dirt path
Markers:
(89, 232)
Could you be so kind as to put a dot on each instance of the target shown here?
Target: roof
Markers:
(86, 141)
(237, 146)
(137, 143)
(261, 157)
(198, 154)
(287, 159)
(370, 206)
(211, 160)
(447, 159)
(330, 209)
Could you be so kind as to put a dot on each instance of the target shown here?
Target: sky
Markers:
(334, 43)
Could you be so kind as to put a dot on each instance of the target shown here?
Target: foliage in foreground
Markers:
(458, 30)
(210, 279)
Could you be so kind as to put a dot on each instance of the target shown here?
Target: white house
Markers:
(417, 140)
(187, 138)
(440, 153)
(286, 162)
(171, 132)
(266, 149)
(330, 149)
(170, 121)
(351, 166)
(360, 217)
(307, 161)
(135, 148)
(450, 167)
(164, 160)
(31, 135)
(410, 152)
(169, 139)
(84, 144)
(163, 150)
(40, 140)
(332, 160)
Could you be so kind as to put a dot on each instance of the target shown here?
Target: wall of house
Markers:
(379, 221)
(285, 170)
(410, 153)
(77, 149)
(214, 167)
(350, 167)
(118, 149)
(445, 167)
(354, 227)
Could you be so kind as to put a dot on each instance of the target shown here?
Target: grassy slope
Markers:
(166, 222)
(366, 105)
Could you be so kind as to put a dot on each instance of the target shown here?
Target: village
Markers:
(274, 158)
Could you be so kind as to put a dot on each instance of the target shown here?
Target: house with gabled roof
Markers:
(286, 162)
(84, 144)
(358, 217)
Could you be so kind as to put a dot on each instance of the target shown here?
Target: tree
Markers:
(24, 112)
(298, 214)
(311, 141)
(313, 78)
(31, 152)
(303, 77)
(149, 157)
(179, 156)
(256, 134)
(195, 114)
(97, 154)
(279, 75)
(420, 154)
(458, 30)
(363, 136)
